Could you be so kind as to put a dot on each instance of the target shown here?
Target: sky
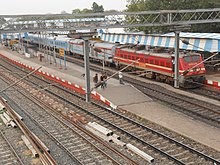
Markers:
(55, 6)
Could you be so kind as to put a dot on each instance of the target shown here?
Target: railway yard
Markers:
(157, 124)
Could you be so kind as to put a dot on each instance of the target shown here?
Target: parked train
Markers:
(157, 63)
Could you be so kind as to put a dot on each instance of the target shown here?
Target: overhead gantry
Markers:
(68, 22)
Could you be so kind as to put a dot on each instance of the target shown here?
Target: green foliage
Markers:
(96, 8)
(151, 5)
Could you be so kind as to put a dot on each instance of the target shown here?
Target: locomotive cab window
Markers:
(187, 59)
(195, 58)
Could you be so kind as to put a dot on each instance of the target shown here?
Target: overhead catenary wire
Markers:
(20, 79)
(187, 43)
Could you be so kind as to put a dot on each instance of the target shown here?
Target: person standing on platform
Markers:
(102, 82)
(120, 76)
(104, 79)
(95, 79)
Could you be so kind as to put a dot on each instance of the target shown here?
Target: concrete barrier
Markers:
(213, 83)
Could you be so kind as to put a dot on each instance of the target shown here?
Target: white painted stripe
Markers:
(146, 64)
(76, 86)
(113, 106)
(142, 40)
(156, 41)
(102, 98)
(202, 44)
(209, 82)
(149, 40)
(172, 42)
(163, 42)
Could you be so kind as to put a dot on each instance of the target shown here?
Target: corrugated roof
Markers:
(196, 35)
(199, 41)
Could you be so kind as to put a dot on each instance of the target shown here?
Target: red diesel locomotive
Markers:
(158, 64)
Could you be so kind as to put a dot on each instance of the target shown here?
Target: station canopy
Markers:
(207, 41)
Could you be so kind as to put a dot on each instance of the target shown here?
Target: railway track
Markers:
(79, 144)
(198, 109)
(8, 155)
(143, 136)
(208, 92)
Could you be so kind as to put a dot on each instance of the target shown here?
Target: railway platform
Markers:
(130, 99)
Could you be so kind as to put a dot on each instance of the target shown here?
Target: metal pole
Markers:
(65, 60)
(87, 71)
(0, 38)
(60, 61)
(50, 54)
(54, 53)
(103, 63)
(44, 41)
(176, 70)
(48, 51)
(20, 79)
(39, 41)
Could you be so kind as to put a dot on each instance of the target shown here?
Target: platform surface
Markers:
(131, 99)
(177, 122)
(213, 77)
(124, 95)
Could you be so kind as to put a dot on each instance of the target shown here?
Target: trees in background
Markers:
(151, 5)
(94, 9)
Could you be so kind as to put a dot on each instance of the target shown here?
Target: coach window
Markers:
(168, 64)
(162, 63)
(146, 59)
(152, 61)
(129, 57)
(157, 62)
(133, 58)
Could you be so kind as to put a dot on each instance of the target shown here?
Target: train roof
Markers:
(163, 54)
(105, 45)
(76, 41)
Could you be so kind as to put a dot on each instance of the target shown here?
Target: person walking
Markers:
(120, 76)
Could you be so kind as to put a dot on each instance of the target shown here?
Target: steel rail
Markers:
(40, 103)
(113, 112)
(47, 159)
(12, 148)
